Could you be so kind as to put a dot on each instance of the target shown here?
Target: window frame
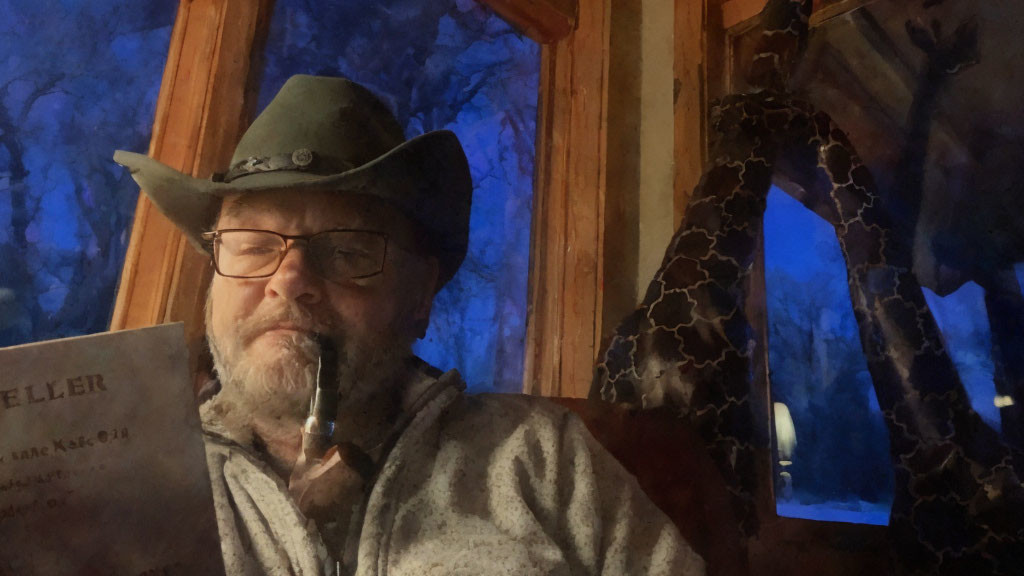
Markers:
(208, 96)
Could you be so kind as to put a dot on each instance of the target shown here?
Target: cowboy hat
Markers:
(321, 133)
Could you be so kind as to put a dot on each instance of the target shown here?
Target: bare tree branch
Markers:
(47, 87)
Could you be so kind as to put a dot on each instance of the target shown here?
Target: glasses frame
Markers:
(210, 238)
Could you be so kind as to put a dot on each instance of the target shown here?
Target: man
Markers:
(330, 225)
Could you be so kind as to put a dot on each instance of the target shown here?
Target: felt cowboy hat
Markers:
(322, 133)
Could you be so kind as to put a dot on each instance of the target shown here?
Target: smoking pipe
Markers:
(318, 431)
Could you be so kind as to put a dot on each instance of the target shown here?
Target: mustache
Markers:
(287, 314)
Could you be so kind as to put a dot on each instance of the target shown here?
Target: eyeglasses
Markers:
(333, 254)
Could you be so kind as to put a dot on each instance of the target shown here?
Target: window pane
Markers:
(839, 467)
(77, 80)
(963, 320)
(446, 64)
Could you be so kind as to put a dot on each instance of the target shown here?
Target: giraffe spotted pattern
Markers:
(959, 502)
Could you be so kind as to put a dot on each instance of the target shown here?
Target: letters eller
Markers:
(50, 391)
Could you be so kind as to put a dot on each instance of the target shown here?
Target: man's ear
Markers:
(431, 273)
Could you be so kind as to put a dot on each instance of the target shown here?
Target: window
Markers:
(832, 445)
(212, 72)
(72, 89)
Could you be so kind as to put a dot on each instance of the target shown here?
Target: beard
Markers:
(273, 375)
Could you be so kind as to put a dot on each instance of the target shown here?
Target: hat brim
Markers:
(427, 178)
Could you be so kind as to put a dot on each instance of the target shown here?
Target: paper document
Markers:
(102, 465)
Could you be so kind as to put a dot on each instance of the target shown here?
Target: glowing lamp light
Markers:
(785, 433)
(1003, 401)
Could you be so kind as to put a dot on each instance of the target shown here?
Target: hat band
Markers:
(302, 159)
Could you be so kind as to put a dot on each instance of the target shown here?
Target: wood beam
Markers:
(544, 21)
(565, 304)
(735, 12)
(825, 10)
(208, 79)
(689, 98)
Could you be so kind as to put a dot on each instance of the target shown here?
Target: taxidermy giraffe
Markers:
(1004, 303)
(959, 500)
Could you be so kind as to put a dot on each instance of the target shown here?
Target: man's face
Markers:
(260, 330)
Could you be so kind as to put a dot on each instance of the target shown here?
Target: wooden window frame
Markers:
(207, 91)
(206, 100)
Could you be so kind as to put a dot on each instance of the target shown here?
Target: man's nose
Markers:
(295, 278)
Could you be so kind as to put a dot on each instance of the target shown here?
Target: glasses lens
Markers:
(344, 254)
(248, 254)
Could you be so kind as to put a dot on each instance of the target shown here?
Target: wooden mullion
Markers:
(736, 12)
(132, 281)
(586, 179)
(690, 96)
(544, 21)
(563, 324)
(545, 281)
(200, 113)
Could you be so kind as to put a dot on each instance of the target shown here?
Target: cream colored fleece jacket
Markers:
(476, 485)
